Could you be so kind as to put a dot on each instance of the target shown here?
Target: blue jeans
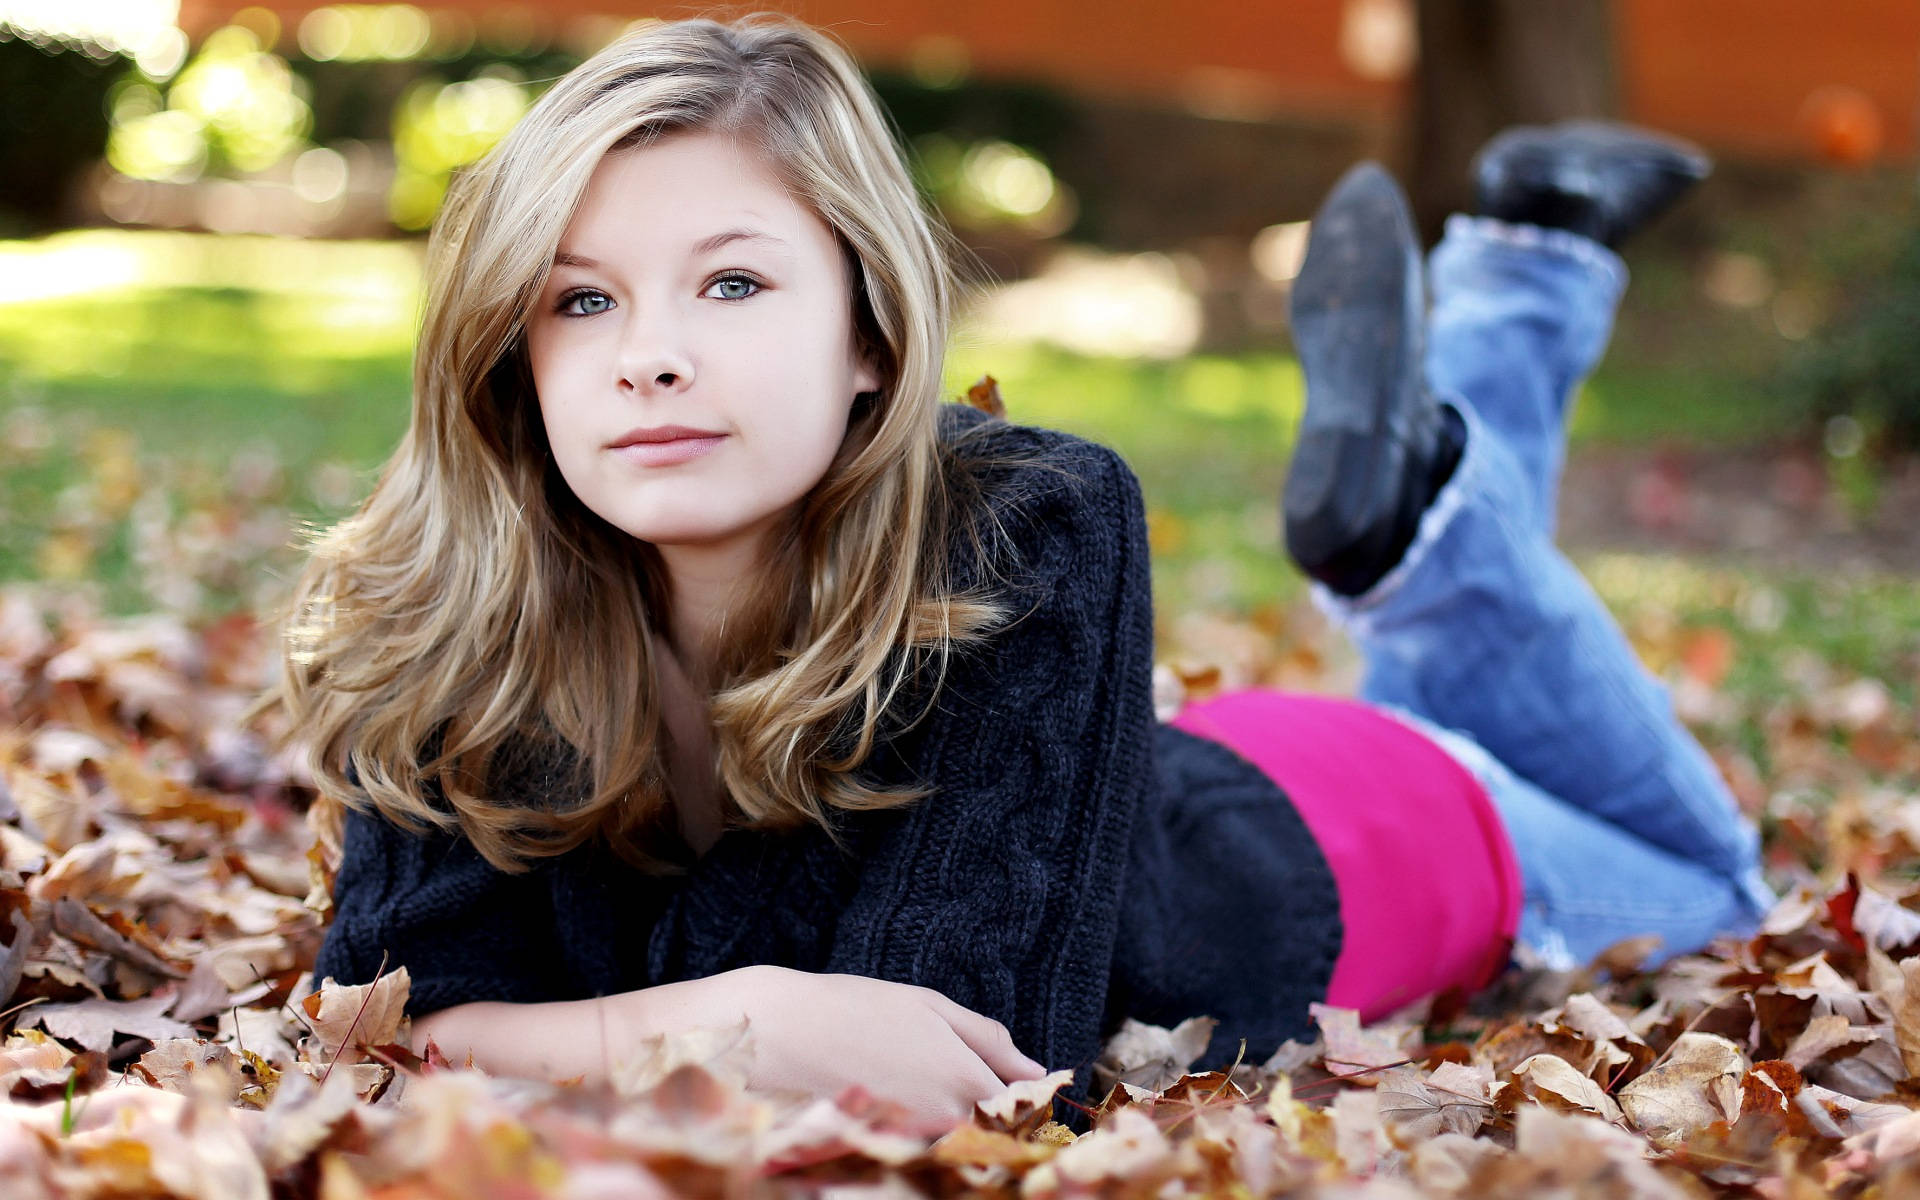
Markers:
(1488, 639)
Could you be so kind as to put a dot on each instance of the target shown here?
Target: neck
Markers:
(702, 583)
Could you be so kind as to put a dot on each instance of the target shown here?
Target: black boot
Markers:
(1596, 178)
(1374, 444)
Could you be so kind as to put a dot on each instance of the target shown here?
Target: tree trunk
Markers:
(1488, 64)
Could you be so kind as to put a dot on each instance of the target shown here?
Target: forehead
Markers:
(685, 187)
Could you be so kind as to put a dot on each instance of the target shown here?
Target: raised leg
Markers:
(1520, 315)
(1485, 628)
(1481, 626)
(1523, 296)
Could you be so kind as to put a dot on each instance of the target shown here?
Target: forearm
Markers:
(552, 1041)
(562, 1039)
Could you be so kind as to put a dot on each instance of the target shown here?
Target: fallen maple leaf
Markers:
(1551, 1080)
(305, 1114)
(93, 1023)
(341, 1017)
(1823, 1036)
(31, 1063)
(1698, 1084)
(1355, 1051)
(1150, 1056)
(1885, 922)
(977, 1146)
(1559, 1148)
(1022, 1106)
(824, 1131)
(984, 395)
(1360, 1138)
(1129, 1150)
(1447, 1163)
(173, 1063)
(1453, 1099)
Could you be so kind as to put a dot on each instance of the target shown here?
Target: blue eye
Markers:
(583, 302)
(726, 282)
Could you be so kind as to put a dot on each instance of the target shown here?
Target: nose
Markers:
(652, 356)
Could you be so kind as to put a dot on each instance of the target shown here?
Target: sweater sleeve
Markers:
(1001, 887)
(464, 929)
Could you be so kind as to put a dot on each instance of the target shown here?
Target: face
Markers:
(693, 350)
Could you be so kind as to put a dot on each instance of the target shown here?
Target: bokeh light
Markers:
(366, 33)
(1378, 39)
(1278, 251)
(1128, 305)
(994, 183)
(1844, 125)
(440, 127)
(320, 175)
(234, 105)
(143, 29)
(939, 61)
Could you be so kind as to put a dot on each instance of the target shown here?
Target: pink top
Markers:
(1429, 887)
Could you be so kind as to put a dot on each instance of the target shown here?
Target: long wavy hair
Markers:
(472, 615)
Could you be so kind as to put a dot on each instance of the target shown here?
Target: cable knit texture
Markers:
(1056, 879)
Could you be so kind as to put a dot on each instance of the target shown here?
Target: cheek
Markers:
(555, 388)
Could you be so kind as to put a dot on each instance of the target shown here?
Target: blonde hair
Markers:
(473, 616)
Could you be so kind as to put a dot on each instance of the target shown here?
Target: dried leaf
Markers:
(823, 1131)
(1446, 1164)
(1698, 1084)
(1551, 1080)
(1897, 985)
(1884, 922)
(1351, 1049)
(93, 1023)
(984, 395)
(83, 925)
(304, 1116)
(978, 1146)
(361, 1015)
(269, 1033)
(1023, 1106)
(13, 957)
(1129, 1149)
(173, 1063)
(1359, 1136)
(1453, 1100)
(1149, 1056)
(1823, 1036)
(1569, 1150)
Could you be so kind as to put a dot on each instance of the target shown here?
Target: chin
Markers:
(700, 530)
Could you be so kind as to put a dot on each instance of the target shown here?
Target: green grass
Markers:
(212, 352)
(163, 440)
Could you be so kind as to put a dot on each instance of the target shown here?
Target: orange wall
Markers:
(1737, 74)
(1284, 54)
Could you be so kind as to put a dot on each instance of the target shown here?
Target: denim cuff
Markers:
(1540, 238)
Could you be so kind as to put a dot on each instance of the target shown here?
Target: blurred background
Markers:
(211, 222)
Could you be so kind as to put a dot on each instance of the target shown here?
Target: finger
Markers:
(972, 1082)
(987, 1038)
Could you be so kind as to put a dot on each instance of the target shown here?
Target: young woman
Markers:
(691, 661)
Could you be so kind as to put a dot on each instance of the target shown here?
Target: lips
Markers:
(662, 433)
(667, 446)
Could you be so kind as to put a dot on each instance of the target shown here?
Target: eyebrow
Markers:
(705, 245)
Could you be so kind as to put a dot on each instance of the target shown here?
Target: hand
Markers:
(820, 1033)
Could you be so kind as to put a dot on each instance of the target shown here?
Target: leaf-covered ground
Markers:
(162, 1036)
(160, 905)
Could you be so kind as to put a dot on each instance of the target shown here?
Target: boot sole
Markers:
(1356, 308)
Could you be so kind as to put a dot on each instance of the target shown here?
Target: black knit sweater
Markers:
(1075, 862)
